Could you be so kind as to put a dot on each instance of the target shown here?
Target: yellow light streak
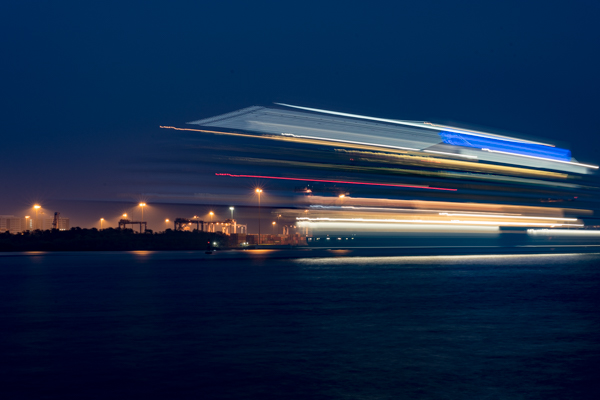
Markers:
(456, 164)
(400, 153)
(421, 221)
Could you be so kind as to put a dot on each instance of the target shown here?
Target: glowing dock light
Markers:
(142, 205)
(258, 191)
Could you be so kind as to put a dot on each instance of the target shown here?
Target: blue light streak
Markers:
(527, 149)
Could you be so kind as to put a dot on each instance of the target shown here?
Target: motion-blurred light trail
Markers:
(351, 142)
(424, 221)
(451, 154)
(562, 232)
(427, 125)
(542, 158)
(505, 216)
(334, 181)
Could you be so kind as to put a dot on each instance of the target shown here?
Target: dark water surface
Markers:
(164, 325)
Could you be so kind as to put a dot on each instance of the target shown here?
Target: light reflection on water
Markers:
(447, 259)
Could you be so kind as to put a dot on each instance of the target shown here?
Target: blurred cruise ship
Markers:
(344, 180)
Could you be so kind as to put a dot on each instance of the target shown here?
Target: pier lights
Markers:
(259, 191)
(231, 209)
(101, 221)
(142, 205)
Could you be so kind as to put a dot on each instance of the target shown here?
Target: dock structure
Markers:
(124, 222)
(228, 226)
(180, 224)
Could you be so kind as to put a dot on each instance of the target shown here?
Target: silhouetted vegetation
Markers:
(109, 239)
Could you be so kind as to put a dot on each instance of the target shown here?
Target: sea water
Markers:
(176, 325)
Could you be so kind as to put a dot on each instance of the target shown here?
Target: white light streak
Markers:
(450, 154)
(505, 216)
(426, 125)
(349, 141)
(542, 158)
(459, 222)
(561, 232)
(467, 213)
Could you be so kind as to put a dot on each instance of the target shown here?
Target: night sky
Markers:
(85, 87)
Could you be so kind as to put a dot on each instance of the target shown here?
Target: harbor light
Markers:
(142, 205)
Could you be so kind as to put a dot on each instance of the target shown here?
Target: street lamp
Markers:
(101, 221)
(142, 205)
(259, 191)
(27, 221)
(37, 207)
(211, 223)
(231, 209)
(166, 224)
(273, 227)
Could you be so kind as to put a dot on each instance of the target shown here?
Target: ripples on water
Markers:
(164, 325)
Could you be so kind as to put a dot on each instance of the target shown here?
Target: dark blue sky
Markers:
(86, 86)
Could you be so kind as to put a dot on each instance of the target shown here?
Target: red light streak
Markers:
(332, 181)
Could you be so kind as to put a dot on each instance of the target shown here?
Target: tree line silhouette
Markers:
(110, 239)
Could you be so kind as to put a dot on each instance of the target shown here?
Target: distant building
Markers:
(46, 224)
(10, 223)
(27, 224)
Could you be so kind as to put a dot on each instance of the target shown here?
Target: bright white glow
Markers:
(468, 213)
(399, 227)
(450, 154)
(349, 141)
(542, 158)
(458, 222)
(561, 232)
(426, 125)
(505, 216)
